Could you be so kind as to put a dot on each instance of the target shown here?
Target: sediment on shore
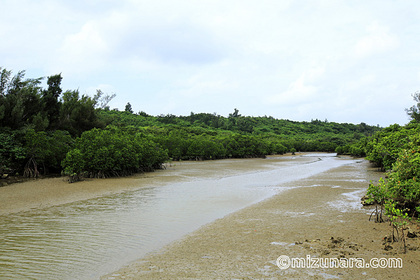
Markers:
(321, 217)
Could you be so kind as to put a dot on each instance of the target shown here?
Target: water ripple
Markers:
(89, 238)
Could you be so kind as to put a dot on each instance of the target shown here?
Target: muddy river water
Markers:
(88, 238)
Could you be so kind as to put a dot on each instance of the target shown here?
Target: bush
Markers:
(384, 148)
(402, 189)
(112, 152)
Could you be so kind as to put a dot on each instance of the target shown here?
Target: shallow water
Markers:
(89, 238)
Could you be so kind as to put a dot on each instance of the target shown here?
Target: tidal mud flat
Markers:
(51, 229)
(42, 193)
(199, 220)
(320, 216)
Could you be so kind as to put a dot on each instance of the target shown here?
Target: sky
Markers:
(347, 61)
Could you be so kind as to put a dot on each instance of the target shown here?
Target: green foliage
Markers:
(78, 113)
(400, 193)
(12, 154)
(20, 100)
(414, 111)
(128, 108)
(377, 193)
(303, 136)
(44, 151)
(397, 149)
(403, 182)
(203, 147)
(357, 149)
(384, 148)
(113, 152)
(39, 121)
(74, 163)
(399, 219)
(50, 100)
(43, 124)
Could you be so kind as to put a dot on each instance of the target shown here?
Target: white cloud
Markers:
(378, 40)
(83, 51)
(280, 58)
(302, 90)
(359, 83)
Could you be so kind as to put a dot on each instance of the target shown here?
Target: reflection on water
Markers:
(86, 239)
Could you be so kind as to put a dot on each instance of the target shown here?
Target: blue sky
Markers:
(345, 61)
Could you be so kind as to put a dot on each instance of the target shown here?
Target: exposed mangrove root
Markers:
(378, 214)
(31, 169)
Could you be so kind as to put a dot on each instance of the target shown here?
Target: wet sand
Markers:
(321, 218)
(116, 221)
(36, 194)
(41, 193)
(245, 245)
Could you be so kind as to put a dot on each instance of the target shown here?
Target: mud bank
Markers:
(87, 229)
(54, 230)
(41, 193)
(321, 217)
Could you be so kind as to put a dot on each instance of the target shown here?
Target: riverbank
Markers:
(23, 194)
(42, 193)
(320, 217)
(111, 229)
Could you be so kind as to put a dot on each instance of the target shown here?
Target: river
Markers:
(89, 238)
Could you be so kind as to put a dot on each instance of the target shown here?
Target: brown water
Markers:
(89, 238)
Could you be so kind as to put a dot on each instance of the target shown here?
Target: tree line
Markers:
(395, 149)
(50, 130)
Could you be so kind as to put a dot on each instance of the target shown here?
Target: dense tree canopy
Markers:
(45, 130)
(54, 130)
(395, 149)
(113, 152)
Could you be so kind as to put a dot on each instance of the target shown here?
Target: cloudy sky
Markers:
(342, 60)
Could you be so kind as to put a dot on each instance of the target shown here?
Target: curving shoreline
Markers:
(41, 193)
(246, 243)
(321, 218)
